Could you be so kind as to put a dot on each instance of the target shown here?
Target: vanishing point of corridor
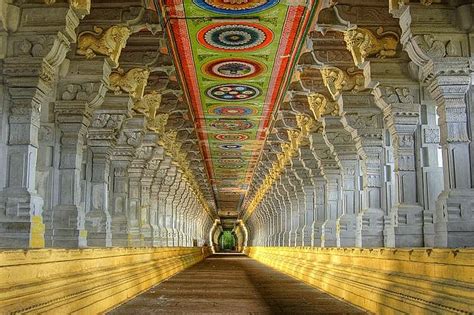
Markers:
(234, 284)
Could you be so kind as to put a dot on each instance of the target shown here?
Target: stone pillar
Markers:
(301, 198)
(168, 185)
(98, 219)
(101, 140)
(46, 168)
(431, 171)
(370, 220)
(332, 192)
(286, 213)
(290, 188)
(30, 69)
(455, 217)
(129, 139)
(21, 223)
(332, 207)
(78, 97)
(134, 175)
(344, 150)
(363, 120)
(146, 235)
(401, 116)
(119, 203)
(444, 68)
(320, 211)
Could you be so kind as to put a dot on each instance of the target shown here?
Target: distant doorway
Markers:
(227, 242)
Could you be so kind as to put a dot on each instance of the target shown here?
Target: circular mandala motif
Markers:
(235, 7)
(233, 68)
(236, 37)
(230, 146)
(231, 124)
(231, 137)
(232, 110)
(233, 92)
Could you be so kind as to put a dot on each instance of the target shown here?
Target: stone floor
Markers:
(234, 284)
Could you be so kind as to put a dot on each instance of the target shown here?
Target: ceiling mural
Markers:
(235, 59)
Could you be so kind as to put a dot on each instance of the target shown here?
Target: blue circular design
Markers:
(233, 92)
(252, 6)
(234, 37)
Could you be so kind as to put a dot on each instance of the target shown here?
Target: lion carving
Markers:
(105, 43)
(363, 43)
(133, 82)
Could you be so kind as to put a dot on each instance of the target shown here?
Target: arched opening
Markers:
(227, 241)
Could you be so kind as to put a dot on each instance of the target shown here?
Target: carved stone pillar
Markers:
(293, 201)
(167, 186)
(305, 176)
(364, 124)
(68, 228)
(332, 207)
(119, 203)
(332, 192)
(320, 213)
(431, 170)
(129, 139)
(30, 68)
(455, 217)
(73, 116)
(46, 168)
(342, 146)
(284, 236)
(401, 116)
(301, 198)
(135, 174)
(101, 140)
(98, 219)
(444, 67)
(20, 206)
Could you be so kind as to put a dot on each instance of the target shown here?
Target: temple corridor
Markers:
(233, 284)
(325, 147)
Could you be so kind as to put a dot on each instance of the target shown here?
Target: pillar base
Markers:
(405, 227)
(99, 239)
(134, 237)
(316, 234)
(369, 228)
(98, 229)
(67, 229)
(21, 223)
(328, 237)
(454, 225)
(346, 230)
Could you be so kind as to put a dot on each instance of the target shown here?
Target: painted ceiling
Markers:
(235, 59)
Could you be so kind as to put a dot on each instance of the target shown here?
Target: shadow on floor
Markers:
(234, 284)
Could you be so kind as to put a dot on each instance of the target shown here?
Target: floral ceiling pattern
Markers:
(235, 60)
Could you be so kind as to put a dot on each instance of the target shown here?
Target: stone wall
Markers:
(383, 281)
(85, 281)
